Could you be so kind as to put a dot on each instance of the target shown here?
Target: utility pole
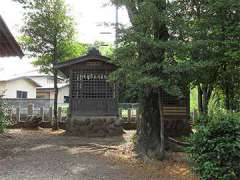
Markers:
(116, 24)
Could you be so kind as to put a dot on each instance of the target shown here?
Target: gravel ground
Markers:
(44, 155)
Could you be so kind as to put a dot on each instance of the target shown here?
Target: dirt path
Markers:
(43, 155)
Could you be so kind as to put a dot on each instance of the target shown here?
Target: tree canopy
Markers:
(201, 47)
(177, 45)
(49, 32)
(49, 35)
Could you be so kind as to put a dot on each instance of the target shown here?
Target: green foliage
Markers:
(201, 120)
(2, 122)
(215, 148)
(3, 116)
(201, 47)
(104, 48)
(134, 139)
(193, 99)
(216, 104)
(69, 51)
(49, 37)
(144, 53)
(209, 32)
(172, 44)
(49, 33)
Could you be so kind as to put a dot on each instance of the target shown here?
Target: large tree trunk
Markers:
(148, 127)
(162, 130)
(55, 122)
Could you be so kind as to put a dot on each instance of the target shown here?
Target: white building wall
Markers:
(43, 79)
(11, 88)
(52, 94)
(2, 87)
(64, 91)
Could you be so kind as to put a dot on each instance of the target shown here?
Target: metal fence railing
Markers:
(129, 111)
(45, 114)
(23, 103)
(126, 111)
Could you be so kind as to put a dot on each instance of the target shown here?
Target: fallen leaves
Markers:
(176, 165)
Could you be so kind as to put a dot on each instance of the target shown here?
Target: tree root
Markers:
(180, 143)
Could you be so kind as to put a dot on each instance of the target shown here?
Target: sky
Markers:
(88, 14)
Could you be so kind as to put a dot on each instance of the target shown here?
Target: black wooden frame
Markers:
(91, 94)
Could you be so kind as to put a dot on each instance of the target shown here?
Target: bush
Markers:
(134, 139)
(3, 116)
(201, 120)
(215, 148)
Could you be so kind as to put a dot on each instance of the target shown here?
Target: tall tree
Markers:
(141, 58)
(105, 48)
(170, 45)
(48, 35)
(210, 32)
(188, 28)
(225, 23)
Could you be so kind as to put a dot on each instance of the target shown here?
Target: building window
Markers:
(42, 95)
(22, 94)
(66, 99)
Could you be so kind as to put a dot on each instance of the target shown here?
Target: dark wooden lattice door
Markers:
(92, 94)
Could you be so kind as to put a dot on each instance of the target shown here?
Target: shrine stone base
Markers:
(95, 126)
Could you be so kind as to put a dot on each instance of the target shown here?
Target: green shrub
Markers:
(134, 141)
(2, 124)
(215, 148)
(3, 116)
(201, 120)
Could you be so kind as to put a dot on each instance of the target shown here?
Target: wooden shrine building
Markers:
(8, 44)
(93, 99)
(91, 94)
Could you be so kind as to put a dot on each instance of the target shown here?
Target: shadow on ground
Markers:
(43, 154)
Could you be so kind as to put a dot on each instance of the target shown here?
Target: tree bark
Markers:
(148, 127)
(205, 101)
(204, 96)
(200, 100)
(55, 122)
(162, 130)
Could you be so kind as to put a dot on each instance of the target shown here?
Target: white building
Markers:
(18, 87)
(63, 94)
(33, 87)
(46, 89)
(15, 82)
